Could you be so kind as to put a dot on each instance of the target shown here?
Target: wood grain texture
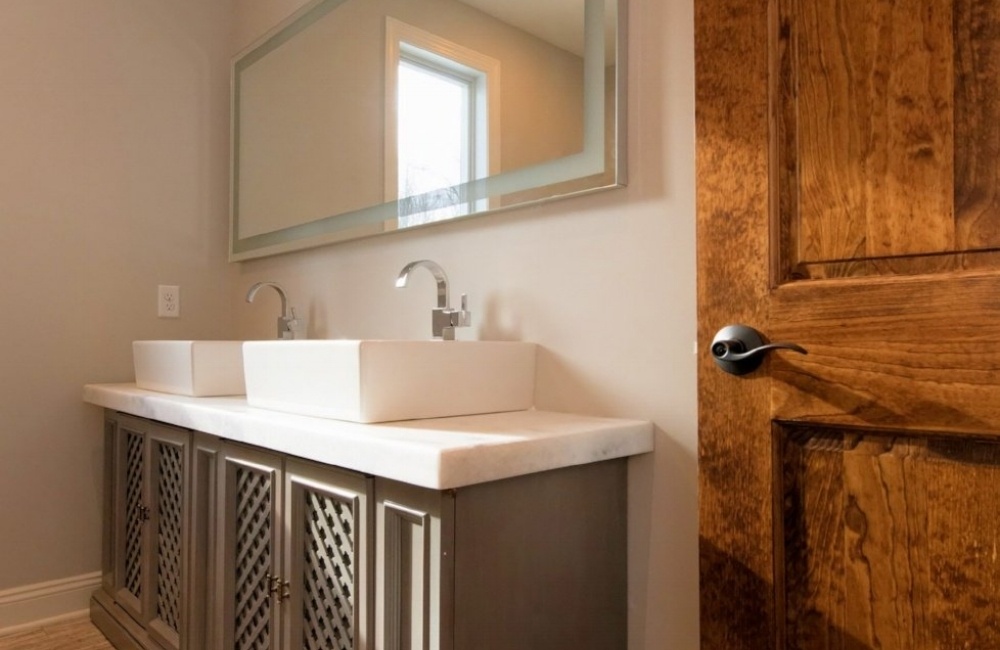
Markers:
(887, 135)
(735, 472)
(873, 121)
(891, 551)
(919, 352)
(977, 123)
(827, 139)
(813, 568)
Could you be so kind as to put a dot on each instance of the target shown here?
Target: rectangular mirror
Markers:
(359, 117)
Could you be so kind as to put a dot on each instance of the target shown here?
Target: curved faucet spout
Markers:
(444, 319)
(439, 276)
(252, 293)
(287, 322)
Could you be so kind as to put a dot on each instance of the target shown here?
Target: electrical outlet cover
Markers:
(168, 301)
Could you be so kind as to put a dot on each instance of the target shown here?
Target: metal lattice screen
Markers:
(253, 559)
(170, 488)
(134, 517)
(328, 573)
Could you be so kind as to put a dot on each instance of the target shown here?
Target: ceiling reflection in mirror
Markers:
(359, 117)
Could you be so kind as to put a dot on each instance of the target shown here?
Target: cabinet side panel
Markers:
(540, 560)
(110, 516)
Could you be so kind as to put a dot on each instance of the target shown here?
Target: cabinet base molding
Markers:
(123, 632)
(46, 602)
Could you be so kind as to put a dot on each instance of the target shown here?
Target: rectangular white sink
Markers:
(195, 368)
(382, 381)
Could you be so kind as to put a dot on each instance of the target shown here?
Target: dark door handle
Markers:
(739, 349)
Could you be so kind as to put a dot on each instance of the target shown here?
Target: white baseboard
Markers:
(46, 602)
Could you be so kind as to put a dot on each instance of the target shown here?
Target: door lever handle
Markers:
(740, 349)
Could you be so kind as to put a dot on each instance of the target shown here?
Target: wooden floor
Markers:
(76, 634)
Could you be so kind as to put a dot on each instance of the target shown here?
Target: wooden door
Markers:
(848, 159)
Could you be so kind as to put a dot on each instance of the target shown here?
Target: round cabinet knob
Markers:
(740, 349)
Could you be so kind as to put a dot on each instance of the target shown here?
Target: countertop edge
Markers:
(442, 453)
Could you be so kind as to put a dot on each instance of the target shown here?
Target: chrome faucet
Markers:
(287, 322)
(444, 319)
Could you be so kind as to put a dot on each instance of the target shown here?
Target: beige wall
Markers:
(113, 126)
(604, 283)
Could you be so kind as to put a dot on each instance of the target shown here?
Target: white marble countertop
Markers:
(441, 453)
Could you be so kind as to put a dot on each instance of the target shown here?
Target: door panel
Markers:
(919, 352)
(847, 165)
(889, 541)
(886, 142)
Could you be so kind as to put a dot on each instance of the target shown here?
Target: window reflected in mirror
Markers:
(442, 124)
(328, 109)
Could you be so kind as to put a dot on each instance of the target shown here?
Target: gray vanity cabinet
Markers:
(146, 567)
(217, 545)
(534, 561)
(414, 566)
(294, 553)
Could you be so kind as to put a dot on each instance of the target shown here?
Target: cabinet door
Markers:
(131, 516)
(414, 572)
(167, 458)
(151, 481)
(327, 566)
(250, 490)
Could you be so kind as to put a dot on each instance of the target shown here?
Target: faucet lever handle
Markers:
(462, 317)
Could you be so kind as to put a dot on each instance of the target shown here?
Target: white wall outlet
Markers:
(168, 301)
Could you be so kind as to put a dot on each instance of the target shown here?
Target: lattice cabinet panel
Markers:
(149, 512)
(136, 513)
(327, 558)
(169, 487)
(249, 548)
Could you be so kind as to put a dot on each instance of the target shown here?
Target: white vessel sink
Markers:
(195, 368)
(382, 381)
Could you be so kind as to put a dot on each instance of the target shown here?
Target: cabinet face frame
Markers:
(414, 567)
(204, 602)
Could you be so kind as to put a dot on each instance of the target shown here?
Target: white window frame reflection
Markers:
(408, 45)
